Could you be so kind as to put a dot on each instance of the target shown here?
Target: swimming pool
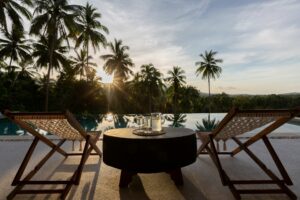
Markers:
(104, 122)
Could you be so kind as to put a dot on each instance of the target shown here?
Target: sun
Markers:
(105, 78)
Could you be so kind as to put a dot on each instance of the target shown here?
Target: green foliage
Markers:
(207, 124)
(12, 9)
(23, 96)
(152, 85)
(81, 64)
(14, 46)
(91, 99)
(177, 120)
(81, 96)
(56, 21)
(118, 63)
(189, 100)
(75, 95)
(208, 67)
(41, 54)
(176, 79)
(90, 25)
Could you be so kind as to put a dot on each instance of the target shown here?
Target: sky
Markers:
(258, 40)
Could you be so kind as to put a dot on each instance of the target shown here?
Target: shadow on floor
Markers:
(88, 190)
(190, 191)
(135, 191)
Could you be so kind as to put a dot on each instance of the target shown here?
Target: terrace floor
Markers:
(99, 181)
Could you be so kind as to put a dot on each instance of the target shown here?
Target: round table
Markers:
(149, 154)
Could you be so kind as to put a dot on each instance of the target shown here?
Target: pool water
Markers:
(105, 122)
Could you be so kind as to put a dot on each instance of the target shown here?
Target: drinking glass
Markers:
(157, 119)
(140, 120)
(147, 122)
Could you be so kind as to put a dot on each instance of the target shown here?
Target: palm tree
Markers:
(118, 63)
(14, 46)
(26, 69)
(134, 84)
(92, 75)
(43, 83)
(135, 88)
(55, 19)
(89, 24)
(81, 65)
(12, 9)
(41, 52)
(208, 67)
(3, 65)
(68, 72)
(176, 79)
(152, 80)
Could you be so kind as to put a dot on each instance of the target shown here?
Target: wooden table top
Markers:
(170, 133)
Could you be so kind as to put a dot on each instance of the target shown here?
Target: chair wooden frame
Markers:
(211, 150)
(90, 145)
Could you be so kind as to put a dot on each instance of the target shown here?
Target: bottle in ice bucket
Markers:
(157, 120)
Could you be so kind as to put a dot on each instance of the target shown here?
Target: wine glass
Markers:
(140, 120)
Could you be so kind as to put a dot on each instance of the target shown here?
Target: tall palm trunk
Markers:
(10, 67)
(114, 94)
(209, 99)
(15, 79)
(47, 84)
(108, 97)
(52, 42)
(208, 86)
(150, 98)
(175, 100)
(87, 58)
(11, 70)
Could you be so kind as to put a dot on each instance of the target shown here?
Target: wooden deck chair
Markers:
(66, 127)
(237, 122)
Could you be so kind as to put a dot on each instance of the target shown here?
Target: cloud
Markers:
(151, 30)
(258, 40)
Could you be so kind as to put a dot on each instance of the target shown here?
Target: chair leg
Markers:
(93, 142)
(277, 161)
(275, 179)
(25, 161)
(21, 184)
(202, 147)
(224, 177)
(216, 159)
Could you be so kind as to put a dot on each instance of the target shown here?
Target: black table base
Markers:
(126, 177)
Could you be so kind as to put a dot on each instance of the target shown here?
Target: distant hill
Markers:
(233, 95)
(291, 93)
